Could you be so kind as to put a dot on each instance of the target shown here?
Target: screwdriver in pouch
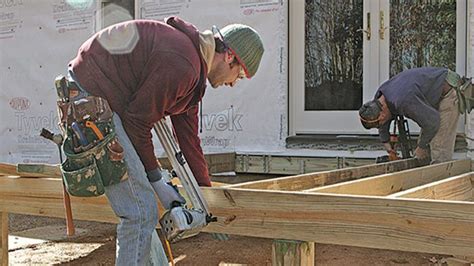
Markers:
(76, 128)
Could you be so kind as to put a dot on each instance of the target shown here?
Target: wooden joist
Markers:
(387, 184)
(311, 180)
(88, 209)
(375, 222)
(30, 170)
(285, 165)
(217, 163)
(3, 238)
(459, 188)
(365, 221)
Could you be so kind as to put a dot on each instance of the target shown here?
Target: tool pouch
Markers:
(465, 94)
(94, 157)
(87, 173)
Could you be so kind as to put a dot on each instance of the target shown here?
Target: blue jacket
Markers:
(415, 94)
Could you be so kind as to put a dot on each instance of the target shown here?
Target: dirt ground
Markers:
(42, 241)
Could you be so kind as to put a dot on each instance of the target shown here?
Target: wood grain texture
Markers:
(42, 170)
(30, 170)
(387, 184)
(454, 188)
(375, 222)
(4, 238)
(217, 163)
(415, 225)
(312, 180)
(292, 253)
(279, 164)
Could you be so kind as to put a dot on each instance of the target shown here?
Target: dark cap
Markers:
(369, 114)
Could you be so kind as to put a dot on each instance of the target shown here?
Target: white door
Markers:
(422, 33)
(342, 50)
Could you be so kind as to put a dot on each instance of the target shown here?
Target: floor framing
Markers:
(400, 205)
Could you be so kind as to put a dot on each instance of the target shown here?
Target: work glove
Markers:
(392, 155)
(220, 236)
(421, 153)
(166, 192)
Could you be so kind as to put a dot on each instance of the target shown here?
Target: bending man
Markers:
(428, 97)
(147, 70)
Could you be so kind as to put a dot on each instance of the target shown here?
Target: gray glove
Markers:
(220, 236)
(166, 192)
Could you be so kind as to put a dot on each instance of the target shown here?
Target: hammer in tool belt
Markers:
(58, 140)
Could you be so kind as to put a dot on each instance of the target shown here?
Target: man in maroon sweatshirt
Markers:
(147, 70)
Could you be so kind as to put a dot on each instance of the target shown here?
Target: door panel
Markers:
(341, 51)
(328, 36)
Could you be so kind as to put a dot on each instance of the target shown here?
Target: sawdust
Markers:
(95, 245)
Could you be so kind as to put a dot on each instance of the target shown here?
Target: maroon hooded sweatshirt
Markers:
(147, 70)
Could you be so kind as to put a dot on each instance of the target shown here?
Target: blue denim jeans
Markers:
(133, 201)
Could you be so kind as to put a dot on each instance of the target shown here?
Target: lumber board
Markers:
(221, 162)
(39, 196)
(383, 185)
(30, 170)
(40, 170)
(311, 180)
(4, 238)
(7, 169)
(43, 197)
(87, 209)
(415, 225)
(454, 188)
(217, 163)
(278, 164)
(292, 253)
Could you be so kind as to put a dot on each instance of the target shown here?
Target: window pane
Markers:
(422, 33)
(333, 54)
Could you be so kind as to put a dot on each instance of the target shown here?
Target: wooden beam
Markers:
(285, 165)
(40, 170)
(454, 188)
(43, 197)
(307, 181)
(376, 222)
(4, 238)
(292, 253)
(87, 209)
(8, 169)
(217, 163)
(221, 162)
(455, 261)
(30, 170)
(387, 184)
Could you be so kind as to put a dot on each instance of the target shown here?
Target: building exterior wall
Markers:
(38, 38)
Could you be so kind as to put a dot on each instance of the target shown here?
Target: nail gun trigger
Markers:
(210, 218)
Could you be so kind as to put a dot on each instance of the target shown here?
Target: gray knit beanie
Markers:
(247, 45)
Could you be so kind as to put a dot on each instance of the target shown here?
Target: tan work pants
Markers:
(442, 145)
